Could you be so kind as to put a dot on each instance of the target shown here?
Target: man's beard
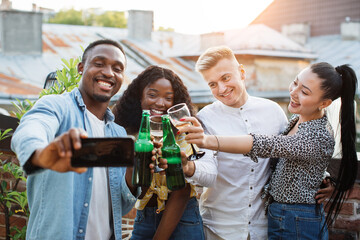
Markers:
(101, 98)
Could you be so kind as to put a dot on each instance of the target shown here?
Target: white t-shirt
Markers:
(231, 204)
(98, 225)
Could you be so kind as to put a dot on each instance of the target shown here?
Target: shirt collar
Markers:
(79, 98)
(109, 116)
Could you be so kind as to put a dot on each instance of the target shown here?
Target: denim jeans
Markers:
(189, 227)
(296, 221)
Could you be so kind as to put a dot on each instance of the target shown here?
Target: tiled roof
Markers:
(259, 40)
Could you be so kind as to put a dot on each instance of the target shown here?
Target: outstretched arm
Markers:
(232, 144)
(263, 145)
(57, 154)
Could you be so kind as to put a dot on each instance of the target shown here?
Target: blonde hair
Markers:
(212, 56)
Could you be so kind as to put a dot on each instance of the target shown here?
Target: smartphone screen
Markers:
(104, 152)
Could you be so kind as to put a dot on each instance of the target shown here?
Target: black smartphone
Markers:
(104, 152)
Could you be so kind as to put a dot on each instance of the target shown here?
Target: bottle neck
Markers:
(168, 136)
(144, 132)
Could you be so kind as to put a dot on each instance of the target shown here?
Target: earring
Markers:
(242, 70)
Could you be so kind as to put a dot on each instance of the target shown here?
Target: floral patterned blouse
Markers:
(303, 159)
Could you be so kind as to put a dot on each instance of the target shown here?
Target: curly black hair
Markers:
(127, 109)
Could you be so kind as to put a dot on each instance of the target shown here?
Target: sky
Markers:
(185, 16)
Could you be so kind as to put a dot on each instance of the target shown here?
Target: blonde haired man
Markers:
(231, 204)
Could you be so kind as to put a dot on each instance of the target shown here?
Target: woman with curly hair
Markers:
(161, 214)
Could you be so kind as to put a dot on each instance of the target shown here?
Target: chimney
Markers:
(21, 32)
(298, 32)
(213, 39)
(6, 5)
(350, 30)
(140, 24)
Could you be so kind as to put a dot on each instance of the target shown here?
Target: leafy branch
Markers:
(4, 135)
(67, 79)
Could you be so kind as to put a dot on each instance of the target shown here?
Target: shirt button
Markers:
(249, 223)
(252, 170)
(250, 188)
(86, 204)
(241, 108)
(245, 120)
(90, 179)
(81, 231)
(249, 205)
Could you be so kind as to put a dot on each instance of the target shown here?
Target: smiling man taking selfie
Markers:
(65, 204)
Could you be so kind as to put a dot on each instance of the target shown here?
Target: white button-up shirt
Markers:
(231, 204)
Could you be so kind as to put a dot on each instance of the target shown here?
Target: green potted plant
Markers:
(12, 201)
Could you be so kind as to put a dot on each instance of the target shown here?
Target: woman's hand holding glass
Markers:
(177, 114)
(195, 135)
(195, 132)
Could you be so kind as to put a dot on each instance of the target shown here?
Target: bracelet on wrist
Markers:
(218, 146)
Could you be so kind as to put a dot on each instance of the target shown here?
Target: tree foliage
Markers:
(71, 16)
(106, 19)
(112, 19)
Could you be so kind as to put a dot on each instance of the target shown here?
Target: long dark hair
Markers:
(341, 82)
(127, 109)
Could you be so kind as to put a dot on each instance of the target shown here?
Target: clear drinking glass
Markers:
(156, 131)
(176, 113)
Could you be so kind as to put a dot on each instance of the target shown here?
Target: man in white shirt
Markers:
(231, 204)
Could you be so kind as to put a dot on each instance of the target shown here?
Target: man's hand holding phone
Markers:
(57, 155)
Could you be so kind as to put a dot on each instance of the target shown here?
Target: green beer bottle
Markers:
(175, 178)
(143, 147)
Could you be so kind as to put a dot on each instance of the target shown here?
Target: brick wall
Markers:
(347, 224)
(17, 220)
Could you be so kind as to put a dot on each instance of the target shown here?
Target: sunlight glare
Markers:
(185, 16)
